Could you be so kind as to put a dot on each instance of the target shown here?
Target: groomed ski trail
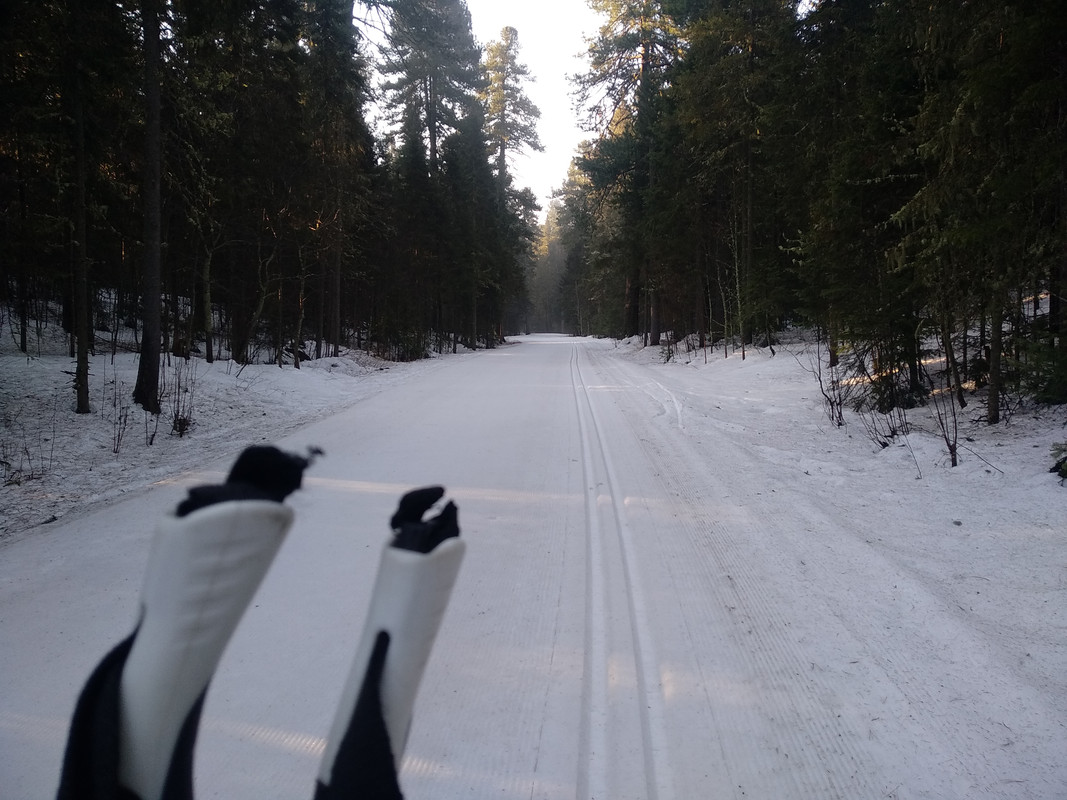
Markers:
(722, 644)
(607, 739)
(680, 584)
(831, 669)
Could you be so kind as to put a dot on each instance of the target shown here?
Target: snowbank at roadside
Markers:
(53, 460)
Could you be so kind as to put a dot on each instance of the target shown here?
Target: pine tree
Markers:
(512, 116)
(629, 60)
(434, 64)
(335, 195)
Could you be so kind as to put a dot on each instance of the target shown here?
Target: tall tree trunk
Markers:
(205, 302)
(1057, 285)
(996, 345)
(632, 312)
(913, 354)
(654, 331)
(320, 318)
(953, 365)
(474, 318)
(298, 337)
(333, 338)
(430, 91)
(146, 389)
(502, 170)
(749, 239)
(21, 271)
(279, 336)
(80, 288)
(832, 342)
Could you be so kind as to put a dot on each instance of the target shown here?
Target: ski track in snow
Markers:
(810, 748)
(681, 583)
(806, 750)
(608, 532)
(940, 685)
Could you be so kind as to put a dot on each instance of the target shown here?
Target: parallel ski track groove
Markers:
(658, 776)
(593, 773)
(828, 743)
(923, 703)
(753, 608)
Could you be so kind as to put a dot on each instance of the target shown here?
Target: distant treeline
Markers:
(893, 174)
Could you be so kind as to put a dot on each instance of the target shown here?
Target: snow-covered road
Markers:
(679, 584)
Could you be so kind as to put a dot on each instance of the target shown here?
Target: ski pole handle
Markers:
(202, 573)
(411, 594)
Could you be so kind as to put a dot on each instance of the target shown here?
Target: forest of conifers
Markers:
(891, 175)
(204, 172)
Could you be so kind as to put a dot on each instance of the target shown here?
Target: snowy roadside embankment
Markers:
(54, 460)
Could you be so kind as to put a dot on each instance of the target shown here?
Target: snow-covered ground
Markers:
(681, 582)
(53, 460)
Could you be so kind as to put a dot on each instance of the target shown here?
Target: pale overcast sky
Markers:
(552, 37)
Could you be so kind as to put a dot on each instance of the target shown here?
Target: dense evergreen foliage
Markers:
(212, 161)
(892, 174)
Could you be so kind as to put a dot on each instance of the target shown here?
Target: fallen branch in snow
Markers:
(981, 458)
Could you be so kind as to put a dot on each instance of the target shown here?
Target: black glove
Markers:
(409, 530)
(261, 472)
